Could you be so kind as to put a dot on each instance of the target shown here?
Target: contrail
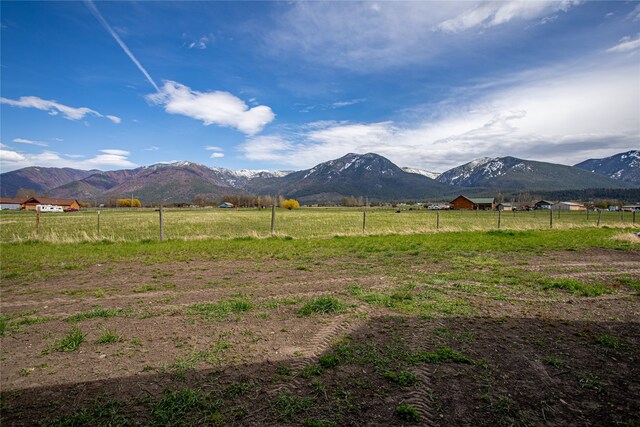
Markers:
(94, 10)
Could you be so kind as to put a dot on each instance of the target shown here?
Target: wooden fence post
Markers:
(161, 224)
(273, 219)
(37, 221)
(437, 219)
(550, 217)
(634, 217)
(499, 217)
(98, 222)
(364, 218)
(599, 216)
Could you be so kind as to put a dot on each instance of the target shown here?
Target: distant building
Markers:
(463, 202)
(31, 203)
(543, 204)
(568, 206)
(226, 205)
(504, 207)
(7, 203)
(631, 208)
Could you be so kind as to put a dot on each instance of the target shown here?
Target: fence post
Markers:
(550, 217)
(37, 221)
(621, 215)
(273, 218)
(587, 214)
(98, 222)
(634, 217)
(437, 219)
(499, 217)
(161, 224)
(599, 216)
(364, 218)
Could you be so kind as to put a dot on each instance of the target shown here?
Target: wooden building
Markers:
(568, 206)
(9, 203)
(507, 207)
(31, 203)
(463, 202)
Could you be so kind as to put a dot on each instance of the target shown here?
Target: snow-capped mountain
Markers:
(514, 173)
(368, 175)
(622, 166)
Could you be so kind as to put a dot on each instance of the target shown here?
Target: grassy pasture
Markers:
(193, 224)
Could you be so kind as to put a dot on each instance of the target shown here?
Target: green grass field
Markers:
(120, 225)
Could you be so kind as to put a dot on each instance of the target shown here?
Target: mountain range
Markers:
(369, 175)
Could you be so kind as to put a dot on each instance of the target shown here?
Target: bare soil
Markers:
(531, 358)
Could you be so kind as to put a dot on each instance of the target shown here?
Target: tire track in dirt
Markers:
(320, 342)
(419, 397)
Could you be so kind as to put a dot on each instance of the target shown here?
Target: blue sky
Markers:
(287, 85)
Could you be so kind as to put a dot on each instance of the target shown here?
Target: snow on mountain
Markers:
(428, 174)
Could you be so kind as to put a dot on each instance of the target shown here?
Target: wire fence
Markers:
(139, 224)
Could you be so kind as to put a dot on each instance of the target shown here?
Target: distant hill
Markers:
(514, 173)
(177, 182)
(39, 179)
(623, 166)
(367, 175)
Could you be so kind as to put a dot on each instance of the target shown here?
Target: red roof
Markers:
(9, 200)
(49, 201)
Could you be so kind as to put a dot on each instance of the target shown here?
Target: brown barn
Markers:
(463, 202)
(31, 203)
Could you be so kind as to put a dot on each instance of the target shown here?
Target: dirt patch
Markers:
(227, 338)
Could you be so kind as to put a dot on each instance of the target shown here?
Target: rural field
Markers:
(125, 224)
(221, 324)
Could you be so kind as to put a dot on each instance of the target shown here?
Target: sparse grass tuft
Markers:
(324, 304)
(609, 341)
(402, 378)
(99, 414)
(328, 361)
(220, 310)
(288, 406)
(574, 286)
(109, 336)
(442, 355)
(71, 341)
(186, 407)
(408, 412)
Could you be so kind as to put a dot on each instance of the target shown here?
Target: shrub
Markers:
(290, 204)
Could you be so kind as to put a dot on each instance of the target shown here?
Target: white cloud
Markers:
(74, 156)
(200, 43)
(213, 148)
(152, 148)
(365, 37)
(490, 14)
(557, 115)
(54, 108)
(109, 159)
(115, 152)
(114, 119)
(626, 44)
(216, 155)
(219, 108)
(30, 142)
